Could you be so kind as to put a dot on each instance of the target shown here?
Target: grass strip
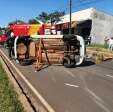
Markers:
(8, 97)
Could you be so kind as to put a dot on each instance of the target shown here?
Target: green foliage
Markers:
(97, 46)
(33, 21)
(8, 98)
(44, 17)
(55, 16)
(2, 31)
(52, 17)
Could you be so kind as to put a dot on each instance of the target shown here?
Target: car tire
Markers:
(68, 63)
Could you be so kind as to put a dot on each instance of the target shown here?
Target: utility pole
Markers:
(70, 15)
(16, 21)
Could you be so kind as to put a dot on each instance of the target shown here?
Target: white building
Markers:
(91, 22)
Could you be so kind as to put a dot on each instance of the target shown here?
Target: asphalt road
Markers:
(88, 88)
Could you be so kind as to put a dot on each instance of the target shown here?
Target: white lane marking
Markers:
(72, 75)
(43, 101)
(94, 97)
(102, 106)
(109, 76)
(98, 100)
(71, 85)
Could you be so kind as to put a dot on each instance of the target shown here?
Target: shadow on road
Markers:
(87, 63)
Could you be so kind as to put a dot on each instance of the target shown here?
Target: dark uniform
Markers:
(10, 44)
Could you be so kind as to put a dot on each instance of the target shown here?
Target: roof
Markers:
(77, 16)
(84, 15)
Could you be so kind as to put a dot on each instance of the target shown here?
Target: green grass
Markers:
(8, 97)
(98, 46)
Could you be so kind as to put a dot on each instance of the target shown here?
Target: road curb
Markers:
(21, 97)
(38, 95)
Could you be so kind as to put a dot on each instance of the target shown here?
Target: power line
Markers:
(78, 3)
(63, 7)
(87, 2)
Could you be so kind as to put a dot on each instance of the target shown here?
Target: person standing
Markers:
(110, 43)
(10, 43)
(106, 39)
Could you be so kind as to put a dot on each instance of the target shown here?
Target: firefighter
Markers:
(10, 43)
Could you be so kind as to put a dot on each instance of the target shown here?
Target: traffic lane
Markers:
(107, 65)
(99, 85)
(62, 88)
(63, 94)
(102, 90)
(66, 106)
(103, 70)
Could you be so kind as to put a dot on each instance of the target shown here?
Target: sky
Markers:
(11, 10)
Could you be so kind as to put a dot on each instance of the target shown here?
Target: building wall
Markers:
(102, 26)
(102, 23)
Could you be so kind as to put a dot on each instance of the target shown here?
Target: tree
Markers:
(50, 17)
(2, 30)
(44, 17)
(55, 16)
(33, 21)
